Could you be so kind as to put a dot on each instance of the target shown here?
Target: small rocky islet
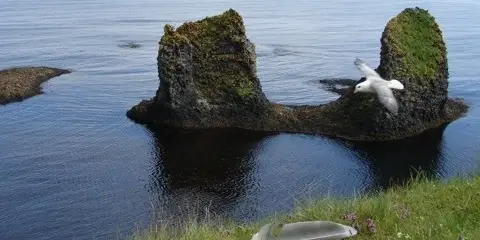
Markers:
(208, 79)
(20, 83)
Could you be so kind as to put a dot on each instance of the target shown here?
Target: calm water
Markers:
(72, 166)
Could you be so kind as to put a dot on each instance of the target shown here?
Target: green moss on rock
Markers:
(413, 47)
(172, 37)
(221, 55)
(208, 68)
(244, 90)
(412, 51)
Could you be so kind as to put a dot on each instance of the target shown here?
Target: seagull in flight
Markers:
(376, 84)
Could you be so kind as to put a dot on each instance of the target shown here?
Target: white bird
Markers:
(376, 84)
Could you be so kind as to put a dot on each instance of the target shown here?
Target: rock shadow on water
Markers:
(395, 162)
(218, 168)
(214, 168)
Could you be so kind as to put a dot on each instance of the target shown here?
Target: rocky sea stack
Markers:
(208, 78)
(207, 72)
(20, 83)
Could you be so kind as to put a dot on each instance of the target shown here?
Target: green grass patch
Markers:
(423, 209)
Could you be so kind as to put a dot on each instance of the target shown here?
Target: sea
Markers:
(73, 166)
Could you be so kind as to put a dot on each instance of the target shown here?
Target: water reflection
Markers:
(203, 167)
(394, 162)
(227, 169)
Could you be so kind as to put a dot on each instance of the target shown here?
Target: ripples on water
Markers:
(73, 166)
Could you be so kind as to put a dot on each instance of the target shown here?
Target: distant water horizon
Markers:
(73, 166)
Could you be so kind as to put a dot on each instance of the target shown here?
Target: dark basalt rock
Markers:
(20, 83)
(413, 52)
(208, 78)
(207, 72)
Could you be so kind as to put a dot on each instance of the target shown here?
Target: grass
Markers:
(422, 209)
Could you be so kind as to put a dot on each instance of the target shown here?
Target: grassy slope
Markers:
(423, 210)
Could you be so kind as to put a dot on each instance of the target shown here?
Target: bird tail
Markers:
(395, 84)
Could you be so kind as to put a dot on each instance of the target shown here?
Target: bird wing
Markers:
(395, 84)
(386, 97)
(365, 69)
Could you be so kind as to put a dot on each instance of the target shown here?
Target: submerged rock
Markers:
(130, 44)
(18, 84)
(207, 72)
(339, 86)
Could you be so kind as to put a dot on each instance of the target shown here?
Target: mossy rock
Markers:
(208, 67)
(413, 48)
(412, 51)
